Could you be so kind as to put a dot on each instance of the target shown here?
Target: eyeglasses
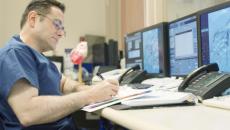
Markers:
(56, 22)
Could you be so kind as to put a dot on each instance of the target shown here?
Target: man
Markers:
(33, 95)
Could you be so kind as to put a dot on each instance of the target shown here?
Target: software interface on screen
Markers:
(133, 49)
(151, 51)
(215, 38)
(183, 46)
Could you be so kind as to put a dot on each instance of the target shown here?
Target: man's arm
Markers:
(32, 109)
(68, 85)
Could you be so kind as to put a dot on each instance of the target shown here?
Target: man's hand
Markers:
(69, 86)
(103, 91)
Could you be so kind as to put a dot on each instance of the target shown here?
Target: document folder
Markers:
(156, 98)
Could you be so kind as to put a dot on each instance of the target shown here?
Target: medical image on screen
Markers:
(183, 46)
(219, 38)
(151, 51)
(133, 50)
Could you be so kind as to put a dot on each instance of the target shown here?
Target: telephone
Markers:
(124, 76)
(132, 75)
(206, 82)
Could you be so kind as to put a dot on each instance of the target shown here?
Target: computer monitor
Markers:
(100, 54)
(133, 49)
(183, 45)
(113, 58)
(155, 49)
(215, 36)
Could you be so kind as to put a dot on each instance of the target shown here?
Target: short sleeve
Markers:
(17, 64)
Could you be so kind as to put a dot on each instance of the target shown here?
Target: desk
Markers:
(197, 117)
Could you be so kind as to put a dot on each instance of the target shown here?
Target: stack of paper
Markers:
(124, 93)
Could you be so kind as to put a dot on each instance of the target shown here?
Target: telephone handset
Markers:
(196, 73)
(206, 81)
(132, 75)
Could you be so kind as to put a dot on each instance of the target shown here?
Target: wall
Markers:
(132, 17)
(168, 10)
(1, 23)
(112, 19)
(10, 18)
(154, 12)
(81, 17)
(174, 7)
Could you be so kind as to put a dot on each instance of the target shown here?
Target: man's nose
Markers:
(61, 33)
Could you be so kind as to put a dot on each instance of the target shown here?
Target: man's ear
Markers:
(31, 18)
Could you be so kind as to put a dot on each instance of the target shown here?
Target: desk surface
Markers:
(197, 117)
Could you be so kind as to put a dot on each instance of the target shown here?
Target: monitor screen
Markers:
(215, 36)
(133, 49)
(183, 52)
(155, 48)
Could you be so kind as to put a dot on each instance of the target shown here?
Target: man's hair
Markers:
(41, 6)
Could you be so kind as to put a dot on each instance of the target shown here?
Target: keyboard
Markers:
(220, 102)
(139, 86)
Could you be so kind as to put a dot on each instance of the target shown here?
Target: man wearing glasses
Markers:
(33, 94)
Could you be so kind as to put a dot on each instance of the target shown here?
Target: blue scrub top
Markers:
(19, 61)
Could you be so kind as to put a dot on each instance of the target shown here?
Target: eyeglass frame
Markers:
(56, 22)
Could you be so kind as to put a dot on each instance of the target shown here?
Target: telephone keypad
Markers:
(205, 80)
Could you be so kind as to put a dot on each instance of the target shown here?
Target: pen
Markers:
(99, 75)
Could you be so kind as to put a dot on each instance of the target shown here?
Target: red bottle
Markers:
(79, 53)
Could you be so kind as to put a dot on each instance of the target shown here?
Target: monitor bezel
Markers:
(206, 11)
(198, 45)
(163, 26)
